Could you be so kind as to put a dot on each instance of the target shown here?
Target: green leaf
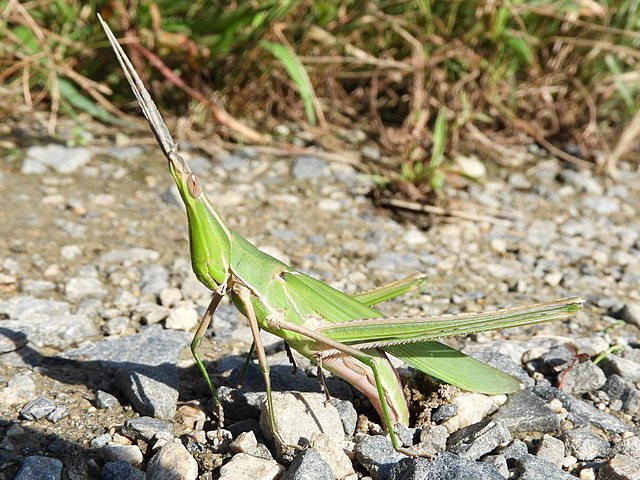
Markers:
(73, 97)
(297, 73)
(439, 138)
(27, 38)
(521, 48)
(617, 77)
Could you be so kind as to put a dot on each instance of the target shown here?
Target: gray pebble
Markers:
(348, 414)
(308, 466)
(406, 436)
(124, 299)
(37, 287)
(149, 313)
(129, 256)
(395, 262)
(155, 346)
(519, 181)
(478, 439)
(171, 196)
(151, 389)
(629, 445)
(170, 296)
(146, 428)
(238, 404)
(556, 360)
(370, 152)
(309, 168)
(121, 471)
(247, 443)
(37, 409)
(499, 462)
(11, 340)
(19, 390)
(377, 456)
(56, 157)
(579, 408)
(115, 452)
(446, 466)
(630, 313)
(444, 412)
(154, 278)
(25, 308)
(145, 367)
(116, 326)
(58, 413)
(582, 378)
(58, 331)
(200, 165)
(244, 466)
(72, 229)
(193, 289)
(231, 162)
(623, 391)
(90, 307)
(602, 205)
(77, 288)
(585, 445)
(172, 461)
(123, 152)
(182, 318)
(502, 362)
(620, 467)
(533, 468)
(525, 412)
(37, 467)
(582, 180)
(433, 440)
(299, 415)
(551, 450)
(100, 441)
(515, 450)
(105, 400)
(335, 454)
(626, 368)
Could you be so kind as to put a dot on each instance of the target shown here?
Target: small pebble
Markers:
(173, 461)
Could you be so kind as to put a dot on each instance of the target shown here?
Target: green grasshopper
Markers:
(342, 333)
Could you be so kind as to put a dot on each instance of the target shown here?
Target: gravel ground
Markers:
(97, 299)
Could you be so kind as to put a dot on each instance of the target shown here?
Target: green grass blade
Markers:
(73, 97)
(454, 367)
(297, 73)
(617, 77)
(439, 139)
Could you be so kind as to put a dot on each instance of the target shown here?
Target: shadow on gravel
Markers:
(154, 389)
(30, 442)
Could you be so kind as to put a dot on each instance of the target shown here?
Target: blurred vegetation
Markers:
(423, 80)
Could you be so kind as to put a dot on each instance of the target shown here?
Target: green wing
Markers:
(454, 367)
(430, 357)
(325, 301)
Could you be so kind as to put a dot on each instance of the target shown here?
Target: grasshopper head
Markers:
(209, 235)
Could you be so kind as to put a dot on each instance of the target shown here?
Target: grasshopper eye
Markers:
(193, 184)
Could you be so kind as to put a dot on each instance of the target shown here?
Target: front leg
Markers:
(195, 344)
(244, 294)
